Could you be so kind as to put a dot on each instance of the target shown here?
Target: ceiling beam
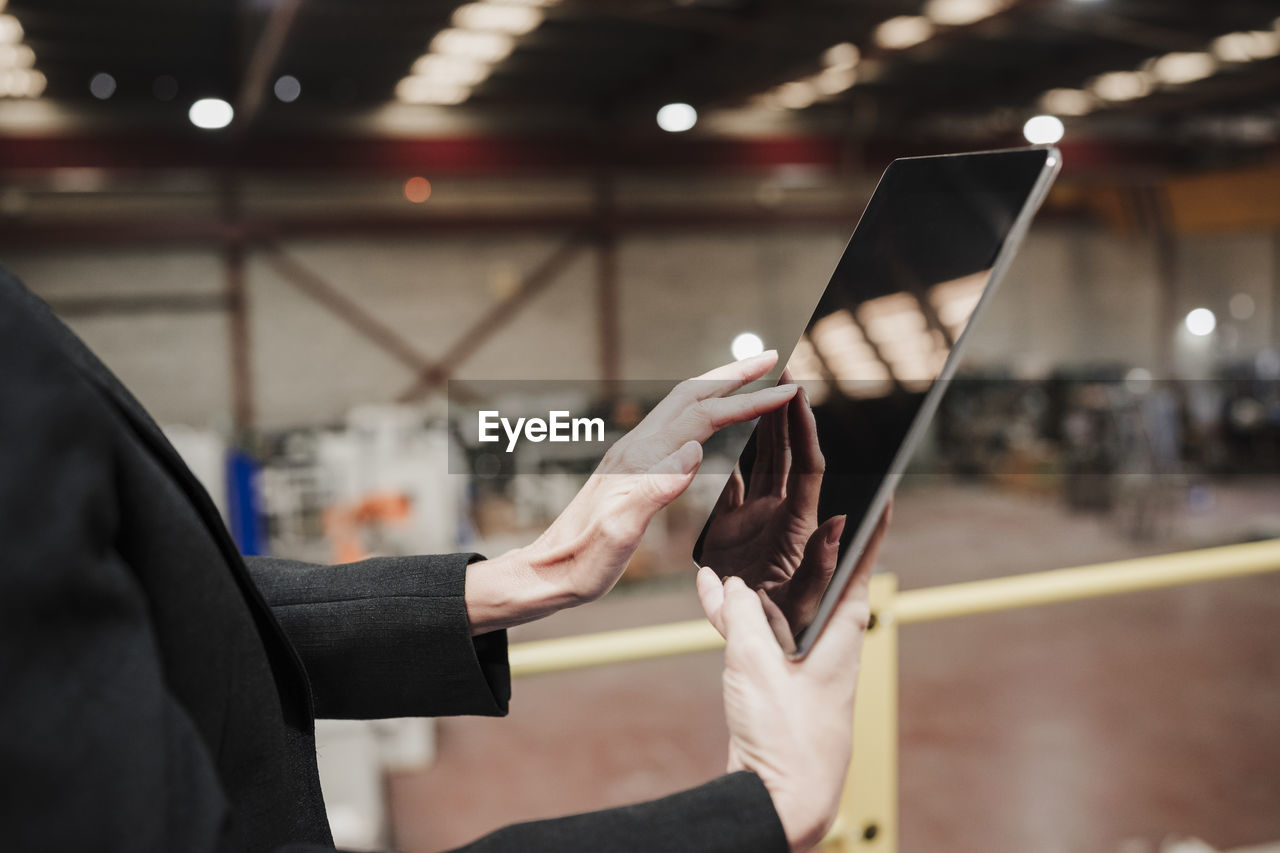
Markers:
(262, 62)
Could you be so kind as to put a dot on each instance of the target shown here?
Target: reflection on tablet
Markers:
(814, 477)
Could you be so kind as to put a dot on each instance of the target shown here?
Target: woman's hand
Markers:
(791, 722)
(583, 553)
(766, 531)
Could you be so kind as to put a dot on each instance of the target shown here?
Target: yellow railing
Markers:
(868, 817)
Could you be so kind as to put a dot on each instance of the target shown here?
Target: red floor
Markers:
(1064, 728)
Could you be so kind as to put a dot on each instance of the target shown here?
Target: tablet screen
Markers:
(811, 482)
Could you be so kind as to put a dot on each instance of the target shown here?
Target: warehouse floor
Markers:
(1103, 726)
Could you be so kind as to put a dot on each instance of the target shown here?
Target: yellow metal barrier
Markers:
(868, 814)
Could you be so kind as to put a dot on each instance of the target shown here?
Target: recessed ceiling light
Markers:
(472, 44)
(16, 56)
(498, 17)
(843, 55)
(211, 113)
(1121, 85)
(959, 13)
(287, 88)
(451, 69)
(10, 30)
(833, 81)
(1043, 130)
(1068, 102)
(797, 94)
(677, 118)
(903, 31)
(425, 90)
(1247, 46)
(102, 86)
(1178, 68)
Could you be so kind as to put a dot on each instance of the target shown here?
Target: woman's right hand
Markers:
(791, 722)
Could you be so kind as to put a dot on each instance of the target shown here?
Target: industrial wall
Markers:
(1077, 295)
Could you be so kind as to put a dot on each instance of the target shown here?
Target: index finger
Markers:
(728, 378)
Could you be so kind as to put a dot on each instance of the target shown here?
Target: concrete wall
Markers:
(1075, 296)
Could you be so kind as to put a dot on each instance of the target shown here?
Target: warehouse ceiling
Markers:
(755, 65)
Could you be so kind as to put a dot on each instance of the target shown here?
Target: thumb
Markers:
(746, 628)
(665, 481)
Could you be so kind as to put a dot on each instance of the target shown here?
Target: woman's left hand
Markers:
(585, 550)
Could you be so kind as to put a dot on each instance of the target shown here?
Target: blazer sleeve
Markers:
(387, 637)
(732, 814)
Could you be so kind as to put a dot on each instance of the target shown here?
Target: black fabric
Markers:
(157, 694)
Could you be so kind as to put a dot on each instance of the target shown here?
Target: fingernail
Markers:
(836, 531)
(689, 457)
(788, 390)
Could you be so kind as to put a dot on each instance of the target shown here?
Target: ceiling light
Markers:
(746, 345)
(1067, 102)
(1121, 85)
(10, 30)
(959, 13)
(35, 83)
(1201, 322)
(1043, 130)
(497, 17)
(471, 44)
(102, 86)
(211, 113)
(16, 56)
(677, 118)
(287, 88)
(833, 81)
(1246, 47)
(451, 69)
(425, 90)
(903, 31)
(1178, 68)
(797, 94)
(843, 55)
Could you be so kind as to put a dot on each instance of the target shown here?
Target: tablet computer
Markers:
(809, 488)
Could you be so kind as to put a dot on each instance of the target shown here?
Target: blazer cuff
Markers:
(388, 637)
(732, 814)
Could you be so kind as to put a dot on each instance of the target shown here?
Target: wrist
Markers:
(508, 590)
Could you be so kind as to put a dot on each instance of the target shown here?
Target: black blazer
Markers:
(158, 691)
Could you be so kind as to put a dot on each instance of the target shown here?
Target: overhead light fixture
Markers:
(1043, 130)
(843, 55)
(1201, 322)
(1121, 85)
(473, 44)
(903, 32)
(451, 69)
(16, 56)
(1178, 68)
(1068, 102)
(797, 94)
(211, 113)
(102, 85)
(21, 83)
(10, 30)
(746, 345)
(426, 90)
(287, 88)
(498, 17)
(1247, 46)
(960, 13)
(677, 118)
(833, 81)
